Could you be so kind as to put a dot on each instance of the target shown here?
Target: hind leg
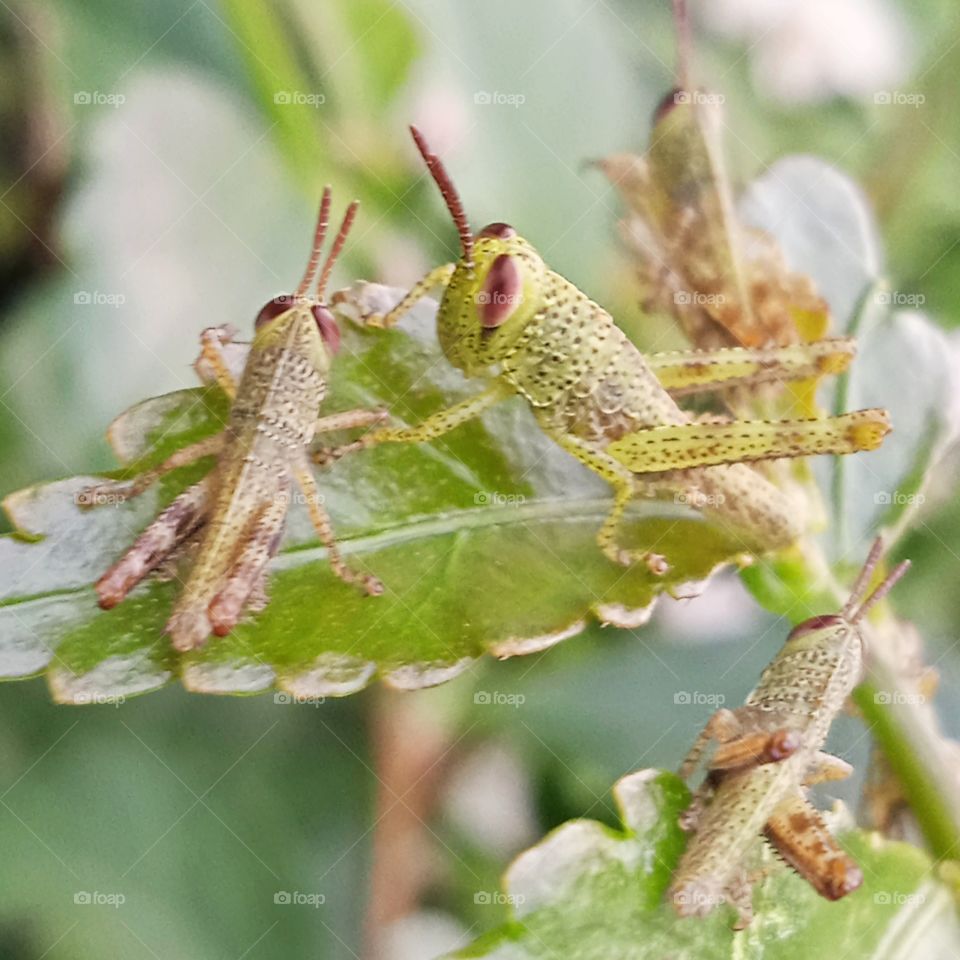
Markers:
(155, 544)
(248, 573)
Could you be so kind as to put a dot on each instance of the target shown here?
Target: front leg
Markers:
(362, 302)
(347, 420)
(212, 362)
(443, 421)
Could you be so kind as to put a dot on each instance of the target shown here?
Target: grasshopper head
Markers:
(490, 299)
(319, 327)
(495, 289)
(837, 632)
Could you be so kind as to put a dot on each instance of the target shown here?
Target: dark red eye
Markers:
(502, 231)
(675, 96)
(273, 308)
(328, 326)
(816, 623)
(502, 291)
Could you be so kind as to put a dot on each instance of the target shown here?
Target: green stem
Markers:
(906, 729)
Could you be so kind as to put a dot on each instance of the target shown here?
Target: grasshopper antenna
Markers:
(318, 237)
(681, 18)
(449, 191)
(337, 247)
(857, 606)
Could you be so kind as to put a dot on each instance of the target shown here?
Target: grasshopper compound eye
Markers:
(829, 621)
(500, 231)
(274, 308)
(328, 326)
(502, 291)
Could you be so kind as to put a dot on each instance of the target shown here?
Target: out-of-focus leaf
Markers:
(485, 542)
(588, 891)
(287, 95)
(906, 349)
(373, 44)
(824, 224)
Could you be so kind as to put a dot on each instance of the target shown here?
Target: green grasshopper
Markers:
(238, 510)
(768, 751)
(506, 317)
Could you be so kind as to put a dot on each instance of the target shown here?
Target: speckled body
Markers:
(584, 378)
(271, 422)
(802, 690)
(235, 515)
(507, 318)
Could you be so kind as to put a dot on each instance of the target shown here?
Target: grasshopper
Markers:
(768, 751)
(238, 510)
(506, 317)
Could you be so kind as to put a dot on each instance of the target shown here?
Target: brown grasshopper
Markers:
(768, 751)
(239, 509)
(506, 317)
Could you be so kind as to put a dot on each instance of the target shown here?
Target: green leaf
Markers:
(587, 891)
(484, 540)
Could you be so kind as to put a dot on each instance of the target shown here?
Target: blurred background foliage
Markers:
(160, 165)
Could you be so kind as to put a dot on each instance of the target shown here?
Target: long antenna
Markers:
(318, 236)
(337, 247)
(681, 18)
(449, 191)
(857, 607)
